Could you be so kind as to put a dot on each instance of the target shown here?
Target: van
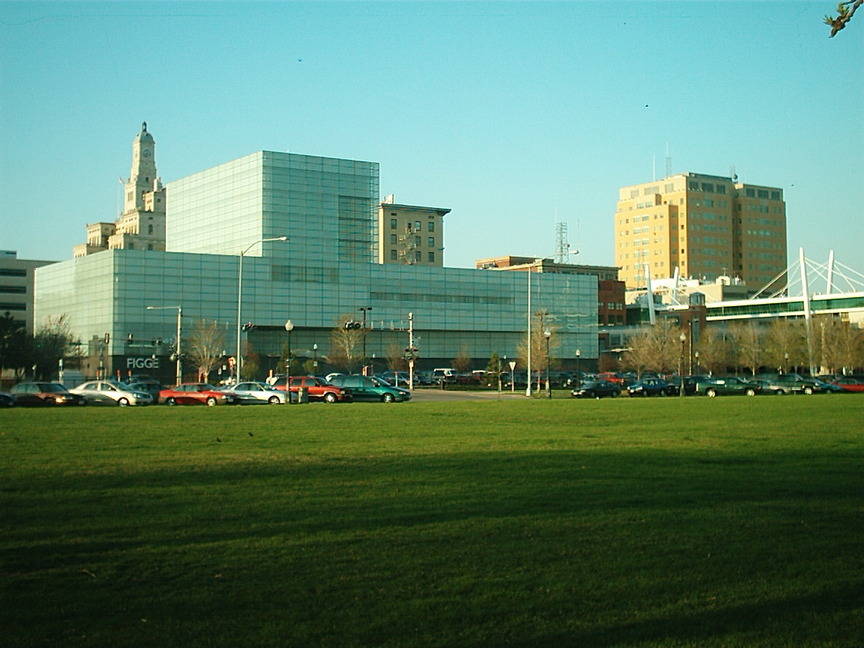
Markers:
(442, 372)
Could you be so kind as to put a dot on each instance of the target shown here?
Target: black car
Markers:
(6, 400)
(597, 389)
(788, 384)
(45, 393)
(652, 387)
(730, 385)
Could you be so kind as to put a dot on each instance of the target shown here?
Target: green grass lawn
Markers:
(652, 522)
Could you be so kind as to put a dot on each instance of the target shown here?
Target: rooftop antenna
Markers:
(668, 162)
(562, 246)
(733, 174)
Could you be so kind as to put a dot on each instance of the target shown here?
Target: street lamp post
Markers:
(315, 359)
(289, 326)
(177, 352)
(683, 339)
(364, 310)
(239, 359)
(528, 351)
(578, 374)
(547, 334)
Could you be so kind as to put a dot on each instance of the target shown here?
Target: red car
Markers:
(316, 388)
(196, 394)
(850, 384)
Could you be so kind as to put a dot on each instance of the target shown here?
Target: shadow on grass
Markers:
(499, 548)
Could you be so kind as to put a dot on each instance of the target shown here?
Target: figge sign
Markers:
(142, 362)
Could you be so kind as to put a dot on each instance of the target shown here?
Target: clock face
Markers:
(146, 154)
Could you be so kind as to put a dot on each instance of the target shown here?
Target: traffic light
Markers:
(352, 325)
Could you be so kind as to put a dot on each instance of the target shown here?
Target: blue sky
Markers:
(514, 115)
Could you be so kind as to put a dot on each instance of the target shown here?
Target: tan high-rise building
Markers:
(141, 225)
(410, 235)
(705, 226)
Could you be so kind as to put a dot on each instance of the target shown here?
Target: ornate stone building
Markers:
(141, 225)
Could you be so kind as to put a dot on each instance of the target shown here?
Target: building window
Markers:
(393, 255)
(431, 257)
(417, 225)
(418, 255)
(393, 223)
(431, 241)
(393, 239)
(430, 226)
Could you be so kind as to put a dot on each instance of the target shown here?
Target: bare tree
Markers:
(14, 344)
(848, 347)
(714, 350)
(845, 10)
(462, 362)
(785, 341)
(539, 325)
(395, 356)
(748, 345)
(346, 345)
(656, 347)
(837, 345)
(205, 345)
(640, 355)
(51, 343)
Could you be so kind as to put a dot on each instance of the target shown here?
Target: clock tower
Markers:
(142, 177)
(141, 224)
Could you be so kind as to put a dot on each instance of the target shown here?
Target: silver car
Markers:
(256, 393)
(111, 392)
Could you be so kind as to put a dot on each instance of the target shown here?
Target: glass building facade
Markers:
(326, 270)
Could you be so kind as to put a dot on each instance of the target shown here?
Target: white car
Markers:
(256, 393)
(111, 392)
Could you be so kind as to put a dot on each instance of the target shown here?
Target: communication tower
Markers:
(562, 247)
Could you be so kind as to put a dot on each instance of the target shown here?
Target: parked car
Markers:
(609, 376)
(255, 393)
(787, 384)
(726, 386)
(6, 399)
(196, 394)
(444, 375)
(370, 388)
(316, 388)
(827, 387)
(149, 385)
(45, 393)
(111, 392)
(422, 378)
(652, 387)
(397, 378)
(850, 384)
(597, 389)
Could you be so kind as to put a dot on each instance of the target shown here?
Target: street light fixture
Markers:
(683, 339)
(547, 334)
(239, 359)
(364, 310)
(578, 374)
(177, 353)
(289, 326)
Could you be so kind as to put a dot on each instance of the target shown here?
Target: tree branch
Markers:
(845, 11)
